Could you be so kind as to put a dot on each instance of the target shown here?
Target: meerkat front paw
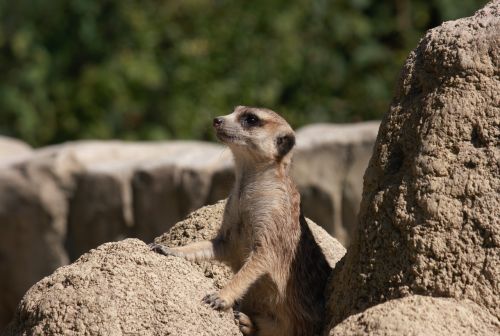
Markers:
(162, 249)
(217, 302)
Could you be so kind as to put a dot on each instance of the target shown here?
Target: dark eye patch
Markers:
(249, 119)
(284, 144)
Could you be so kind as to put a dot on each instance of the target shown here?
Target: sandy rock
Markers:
(429, 218)
(420, 315)
(330, 246)
(328, 167)
(10, 147)
(122, 289)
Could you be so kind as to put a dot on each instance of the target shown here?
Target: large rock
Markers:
(328, 168)
(429, 218)
(420, 315)
(123, 288)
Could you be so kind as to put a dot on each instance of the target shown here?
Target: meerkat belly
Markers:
(240, 244)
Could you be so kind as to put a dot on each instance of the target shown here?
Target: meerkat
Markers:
(280, 271)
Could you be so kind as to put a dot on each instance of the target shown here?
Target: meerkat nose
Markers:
(218, 121)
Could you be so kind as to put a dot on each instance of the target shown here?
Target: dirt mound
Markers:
(420, 315)
(429, 218)
(122, 288)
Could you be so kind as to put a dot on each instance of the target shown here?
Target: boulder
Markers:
(123, 288)
(429, 218)
(328, 167)
(420, 315)
(203, 224)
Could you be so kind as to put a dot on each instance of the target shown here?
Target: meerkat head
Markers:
(256, 133)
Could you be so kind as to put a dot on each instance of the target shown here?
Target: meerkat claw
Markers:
(161, 249)
(214, 301)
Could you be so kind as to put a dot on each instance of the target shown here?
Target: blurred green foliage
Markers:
(135, 69)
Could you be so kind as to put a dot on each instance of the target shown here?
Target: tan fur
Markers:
(280, 272)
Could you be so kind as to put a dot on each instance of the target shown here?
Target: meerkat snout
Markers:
(218, 122)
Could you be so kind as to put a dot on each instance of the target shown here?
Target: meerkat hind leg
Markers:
(260, 326)
(245, 324)
(267, 326)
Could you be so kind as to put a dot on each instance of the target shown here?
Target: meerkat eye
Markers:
(250, 120)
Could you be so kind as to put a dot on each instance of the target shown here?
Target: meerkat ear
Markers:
(284, 144)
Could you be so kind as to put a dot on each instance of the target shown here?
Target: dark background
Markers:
(145, 70)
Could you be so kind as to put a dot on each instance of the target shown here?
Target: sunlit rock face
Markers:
(429, 221)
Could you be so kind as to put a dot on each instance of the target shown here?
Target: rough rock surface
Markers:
(328, 167)
(420, 315)
(122, 289)
(429, 218)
